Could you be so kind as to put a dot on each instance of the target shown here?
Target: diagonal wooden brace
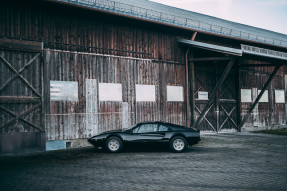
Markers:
(214, 92)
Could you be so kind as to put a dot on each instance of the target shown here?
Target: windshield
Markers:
(128, 128)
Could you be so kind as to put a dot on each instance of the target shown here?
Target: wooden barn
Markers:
(70, 69)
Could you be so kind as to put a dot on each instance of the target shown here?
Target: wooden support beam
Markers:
(206, 59)
(187, 89)
(285, 77)
(258, 65)
(192, 102)
(260, 95)
(218, 85)
(20, 44)
(238, 96)
(22, 99)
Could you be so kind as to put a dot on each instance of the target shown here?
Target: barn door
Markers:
(21, 106)
(226, 104)
(204, 85)
(221, 114)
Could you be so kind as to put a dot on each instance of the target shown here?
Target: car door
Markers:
(145, 135)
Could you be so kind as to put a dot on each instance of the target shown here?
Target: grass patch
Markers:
(274, 131)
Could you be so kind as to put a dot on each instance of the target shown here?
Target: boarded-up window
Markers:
(264, 97)
(110, 92)
(246, 95)
(145, 92)
(279, 96)
(63, 91)
(174, 93)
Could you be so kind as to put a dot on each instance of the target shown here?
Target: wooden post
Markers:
(192, 102)
(216, 100)
(218, 85)
(238, 96)
(286, 96)
(187, 89)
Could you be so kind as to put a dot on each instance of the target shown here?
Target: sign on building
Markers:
(246, 95)
(110, 92)
(174, 93)
(145, 92)
(202, 95)
(63, 91)
(264, 97)
(279, 96)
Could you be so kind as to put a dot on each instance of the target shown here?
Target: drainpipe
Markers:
(187, 82)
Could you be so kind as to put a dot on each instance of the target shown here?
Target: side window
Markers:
(136, 130)
(147, 128)
(162, 128)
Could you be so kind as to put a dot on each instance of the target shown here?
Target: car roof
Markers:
(163, 123)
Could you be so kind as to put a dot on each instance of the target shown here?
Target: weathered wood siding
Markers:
(269, 113)
(62, 27)
(67, 120)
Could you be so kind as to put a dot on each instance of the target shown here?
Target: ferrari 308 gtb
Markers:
(148, 134)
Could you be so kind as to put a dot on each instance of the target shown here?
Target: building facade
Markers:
(72, 69)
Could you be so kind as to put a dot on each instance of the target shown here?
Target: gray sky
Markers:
(266, 14)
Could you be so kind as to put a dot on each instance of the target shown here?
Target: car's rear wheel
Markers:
(178, 144)
(114, 144)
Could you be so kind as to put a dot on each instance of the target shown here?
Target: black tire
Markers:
(178, 144)
(114, 144)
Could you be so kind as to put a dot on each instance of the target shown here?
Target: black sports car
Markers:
(148, 134)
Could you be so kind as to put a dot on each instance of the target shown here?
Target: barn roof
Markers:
(156, 12)
(245, 49)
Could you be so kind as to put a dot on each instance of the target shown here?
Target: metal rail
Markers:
(149, 14)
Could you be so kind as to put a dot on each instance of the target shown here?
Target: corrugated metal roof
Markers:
(145, 9)
(263, 52)
(245, 49)
(212, 47)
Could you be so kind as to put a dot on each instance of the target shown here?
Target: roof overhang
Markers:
(252, 50)
(211, 47)
(245, 49)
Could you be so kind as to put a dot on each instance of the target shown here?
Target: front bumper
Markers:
(96, 142)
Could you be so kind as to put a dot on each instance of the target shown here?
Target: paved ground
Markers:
(238, 161)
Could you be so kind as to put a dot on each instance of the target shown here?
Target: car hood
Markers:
(114, 131)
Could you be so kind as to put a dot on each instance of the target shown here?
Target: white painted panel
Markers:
(110, 92)
(145, 92)
(91, 107)
(63, 91)
(202, 95)
(246, 95)
(125, 115)
(174, 93)
(264, 97)
(279, 96)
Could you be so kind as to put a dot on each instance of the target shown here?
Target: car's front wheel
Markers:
(114, 144)
(178, 144)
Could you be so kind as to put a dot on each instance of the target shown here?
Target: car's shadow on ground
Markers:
(84, 153)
